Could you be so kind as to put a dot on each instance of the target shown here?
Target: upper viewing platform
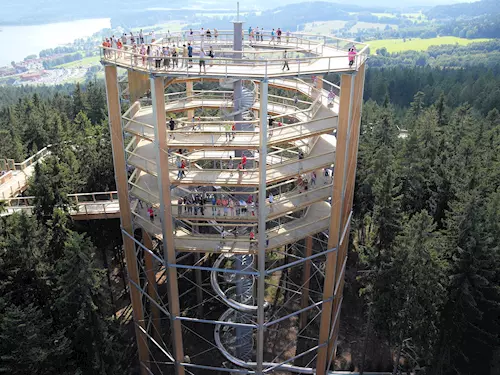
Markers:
(221, 54)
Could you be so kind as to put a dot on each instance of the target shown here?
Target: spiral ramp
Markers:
(231, 278)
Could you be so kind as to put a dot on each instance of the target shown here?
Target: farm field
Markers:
(87, 61)
(415, 44)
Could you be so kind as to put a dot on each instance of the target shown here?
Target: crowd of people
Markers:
(177, 51)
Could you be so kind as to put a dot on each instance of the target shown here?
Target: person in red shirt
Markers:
(151, 214)
(183, 166)
(244, 161)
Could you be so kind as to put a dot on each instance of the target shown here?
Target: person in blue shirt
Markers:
(190, 55)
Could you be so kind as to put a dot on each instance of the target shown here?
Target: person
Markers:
(183, 166)
(184, 56)
(270, 126)
(352, 56)
(244, 161)
(272, 36)
(190, 54)
(233, 131)
(143, 53)
(227, 128)
(209, 34)
(287, 36)
(180, 201)
(119, 46)
(214, 202)
(175, 61)
(250, 33)
(134, 53)
(326, 173)
(151, 213)
(157, 58)
(141, 37)
(168, 36)
(149, 52)
(278, 34)
(202, 60)
(153, 36)
(132, 38)
(216, 34)
(313, 178)
(301, 155)
(230, 165)
(271, 199)
(179, 170)
(295, 99)
(262, 35)
(212, 55)
(166, 57)
(285, 61)
(257, 33)
(171, 124)
(219, 205)
(252, 239)
(331, 97)
(231, 206)
(202, 33)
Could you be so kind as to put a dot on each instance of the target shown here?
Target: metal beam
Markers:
(306, 275)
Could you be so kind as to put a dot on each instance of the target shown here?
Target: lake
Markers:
(21, 41)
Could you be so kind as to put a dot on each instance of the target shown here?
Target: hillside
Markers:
(467, 10)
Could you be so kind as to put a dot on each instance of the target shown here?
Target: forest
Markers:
(423, 277)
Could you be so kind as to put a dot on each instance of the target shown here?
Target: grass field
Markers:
(397, 45)
(87, 61)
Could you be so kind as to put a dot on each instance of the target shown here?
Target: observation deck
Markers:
(306, 54)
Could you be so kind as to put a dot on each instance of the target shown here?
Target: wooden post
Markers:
(117, 144)
(189, 92)
(152, 287)
(349, 194)
(305, 282)
(335, 222)
(158, 94)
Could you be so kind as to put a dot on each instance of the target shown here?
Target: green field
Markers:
(415, 44)
(87, 61)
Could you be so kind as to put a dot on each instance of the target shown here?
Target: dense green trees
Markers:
(53, 313)
(426, 229)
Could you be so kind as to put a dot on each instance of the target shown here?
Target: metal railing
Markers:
(301, 63)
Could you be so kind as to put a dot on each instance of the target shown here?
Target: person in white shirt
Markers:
(202, 61)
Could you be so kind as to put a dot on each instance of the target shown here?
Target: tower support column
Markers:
(163, 171)
(355, 129)
(120, 165)
(262, 238)
(339, 177)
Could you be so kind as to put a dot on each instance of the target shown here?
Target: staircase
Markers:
(243, 105)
